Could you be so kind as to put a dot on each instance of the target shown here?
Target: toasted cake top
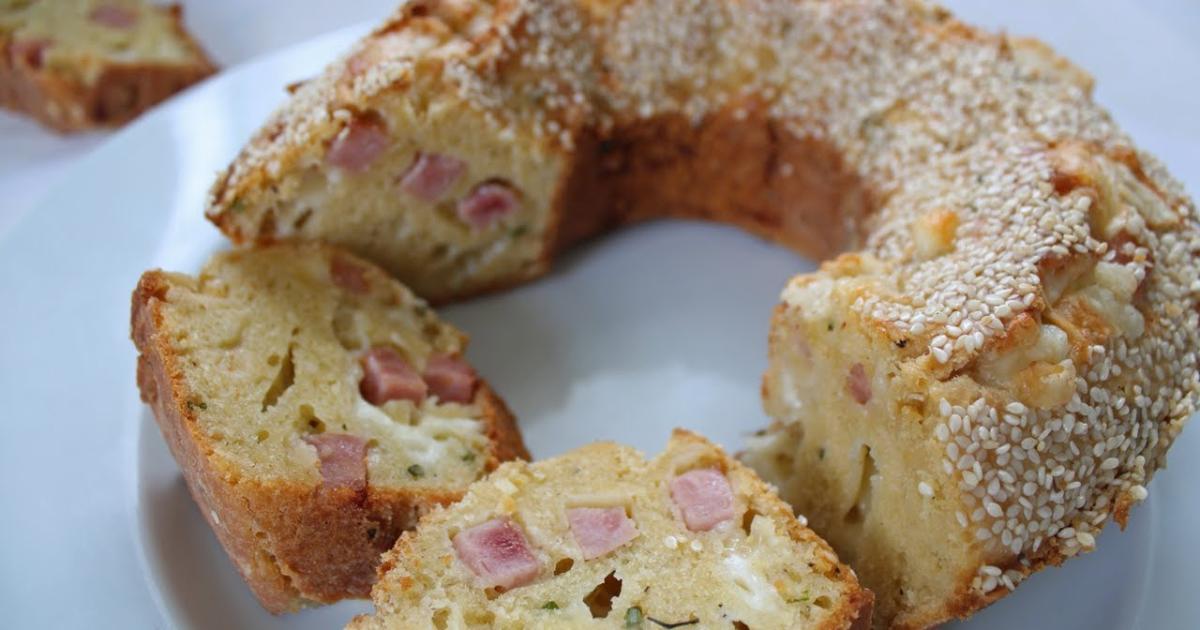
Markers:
(958, 133)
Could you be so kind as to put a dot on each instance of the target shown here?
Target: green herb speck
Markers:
(416, 471)
(803, 599)
(519, 231)
(469, 456)
(193, 405)
(633, 617)
(550, 606)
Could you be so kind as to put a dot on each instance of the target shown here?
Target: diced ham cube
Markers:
(497, 553)
(114, 16)
(358, 144)
(858, 384)
(450, 378)
(349, 275)
(487, 204)
(600, 530)
(343, 459)
(704, 498)
(431, 175)
(387, 376)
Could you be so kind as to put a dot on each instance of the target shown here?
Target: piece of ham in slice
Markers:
(704, 498)
(431, 176)
(450, 378)
(114, 16)
(349, 275)
(858, 384)
(598, 531)
(489, 202)
(358, 144)
(343, 459)
(387, 376)
(497, 553)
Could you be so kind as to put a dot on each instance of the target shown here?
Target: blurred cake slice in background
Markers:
(83, 64)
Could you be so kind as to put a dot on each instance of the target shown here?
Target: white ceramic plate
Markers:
(658, 326)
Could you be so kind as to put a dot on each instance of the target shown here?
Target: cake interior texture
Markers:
(316, 407)
(273, 351)
(757, 567)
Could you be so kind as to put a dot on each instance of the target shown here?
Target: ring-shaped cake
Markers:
(1000, 347)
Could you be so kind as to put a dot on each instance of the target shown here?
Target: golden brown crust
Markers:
(294, 544)
(500, 427)
(120, 93)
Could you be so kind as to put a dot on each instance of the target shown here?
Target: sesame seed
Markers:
(924, 489)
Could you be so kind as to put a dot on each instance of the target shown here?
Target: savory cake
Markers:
(316, 408)
(994, 373)
(600, 537)
(81, 64)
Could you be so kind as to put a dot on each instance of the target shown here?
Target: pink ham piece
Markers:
(114, 16)
(704, 498)
(858, 384)
(387, 376)
(487, 204)
(497, 553)
(348, 275)
(450, 379)
(363, 140)
(600, 530)
(431, 175)
(343, 459)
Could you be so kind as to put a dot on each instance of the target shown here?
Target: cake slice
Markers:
(79, 64)
(316, 408)
(600, 537)
(390, 155)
